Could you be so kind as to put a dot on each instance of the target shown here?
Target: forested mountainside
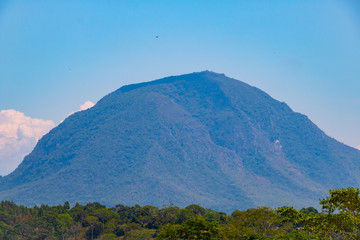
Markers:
(200, 138)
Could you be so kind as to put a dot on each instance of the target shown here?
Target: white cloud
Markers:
(18, 136)
(86, 105)
(358, 147)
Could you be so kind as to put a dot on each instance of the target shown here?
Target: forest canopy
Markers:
(339, 218)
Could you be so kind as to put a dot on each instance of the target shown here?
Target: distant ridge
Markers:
(198, 138)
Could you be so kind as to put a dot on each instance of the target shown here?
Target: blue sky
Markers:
(55, 55)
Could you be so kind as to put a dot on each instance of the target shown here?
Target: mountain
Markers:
(198, 138)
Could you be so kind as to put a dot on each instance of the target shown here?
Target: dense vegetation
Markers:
(339, 219)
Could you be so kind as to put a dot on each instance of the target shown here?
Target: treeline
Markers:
(339, 219)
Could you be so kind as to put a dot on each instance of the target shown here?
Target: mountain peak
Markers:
(204, 75)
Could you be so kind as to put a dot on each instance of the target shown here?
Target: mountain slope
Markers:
(198, 138)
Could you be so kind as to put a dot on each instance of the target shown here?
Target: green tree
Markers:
(93, 222)
(290, 216)
(340, 218)
(195, 228)
(344, 200)
(309, 211)
(63, 224)
(196, 209)
(66, 205)
(167, 215)
(260, 222)
(104, 215)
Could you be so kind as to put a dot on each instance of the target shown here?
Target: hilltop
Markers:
(200, 138)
